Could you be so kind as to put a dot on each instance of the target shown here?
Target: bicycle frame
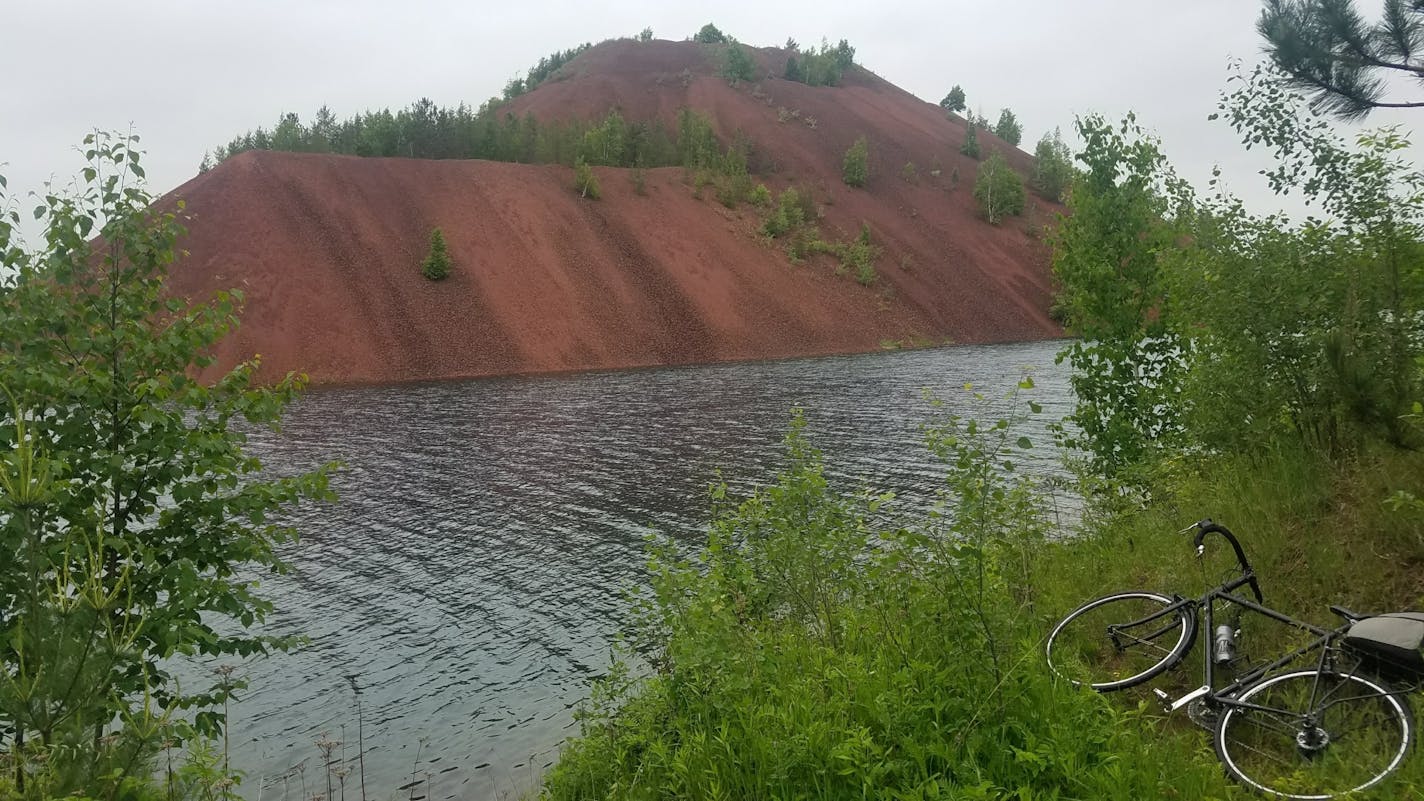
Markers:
(1206, 604)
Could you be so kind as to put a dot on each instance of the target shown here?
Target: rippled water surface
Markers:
(470, 576)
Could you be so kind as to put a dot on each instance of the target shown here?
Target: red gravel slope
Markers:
(327, 249)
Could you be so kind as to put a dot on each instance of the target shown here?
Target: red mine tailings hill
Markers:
(327, 249)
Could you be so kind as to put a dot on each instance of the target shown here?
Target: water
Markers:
(471, 574)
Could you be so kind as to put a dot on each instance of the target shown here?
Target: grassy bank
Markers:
(813, 651)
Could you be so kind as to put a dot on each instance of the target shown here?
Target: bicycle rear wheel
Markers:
(1121, 640)
(1314, 734)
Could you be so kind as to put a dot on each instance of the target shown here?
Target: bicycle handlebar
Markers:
(1205, 527)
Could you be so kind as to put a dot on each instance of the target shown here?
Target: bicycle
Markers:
(1340, 727)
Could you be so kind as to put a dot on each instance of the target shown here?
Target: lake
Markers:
(471, 576)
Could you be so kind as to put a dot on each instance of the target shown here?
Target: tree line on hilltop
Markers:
(427, 131)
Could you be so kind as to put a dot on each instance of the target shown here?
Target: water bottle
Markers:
(1225, 644)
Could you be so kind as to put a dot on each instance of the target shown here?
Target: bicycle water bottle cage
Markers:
(1393, 644)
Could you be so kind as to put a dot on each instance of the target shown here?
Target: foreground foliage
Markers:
(128, 506)
(808, 652)
(1206, 327)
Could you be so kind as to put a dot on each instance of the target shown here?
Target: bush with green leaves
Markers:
(1326, 317)
(128, 502)
(585, 182)
(738, 66)
(794, 209)
(855, 167)
(1204, 326)
(1111, 255)
(970, 147)
(436, 266)
(1008, 128)
(819, 67)
(954, 101)
(998, 189)
(825, 643)
(859, 256)
(1052, 167)
(709, 34)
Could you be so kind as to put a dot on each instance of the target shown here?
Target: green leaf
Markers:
(1026, 382)
(1025, 443)
(1035, 408)
(39, 212)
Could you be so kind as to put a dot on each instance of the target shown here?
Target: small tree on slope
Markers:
(437, 265)
(998, 189)
(856, 168)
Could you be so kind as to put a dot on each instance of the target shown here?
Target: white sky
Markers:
(188, 74)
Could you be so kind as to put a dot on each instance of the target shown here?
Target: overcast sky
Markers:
(188, 75)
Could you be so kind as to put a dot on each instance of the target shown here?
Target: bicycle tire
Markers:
(1275, 752)
(1076, 650)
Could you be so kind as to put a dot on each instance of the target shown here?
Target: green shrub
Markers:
(970, 147)
(585, 182)
(760, 196)
(909, 173)
(954, 101)
(788, 215)
(437, 264)
(133, 518)
(738, 66)
(855, 168)
(1008, 128)
(1052, 168)
(709, 34)
(998, 189)
(822, 66)
(804, 652)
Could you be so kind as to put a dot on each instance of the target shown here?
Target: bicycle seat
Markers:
(1346, 613)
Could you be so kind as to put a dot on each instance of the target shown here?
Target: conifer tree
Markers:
(437, 264)
(954, 101)
(1328, 50)
(1008, 128)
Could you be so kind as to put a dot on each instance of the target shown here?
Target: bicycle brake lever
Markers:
(1188, 528)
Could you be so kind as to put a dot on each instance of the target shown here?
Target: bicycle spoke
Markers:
(1255, 718)
(1312, 735)
(1149, 643)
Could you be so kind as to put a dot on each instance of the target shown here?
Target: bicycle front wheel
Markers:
(1314, 734)
(1121, 640)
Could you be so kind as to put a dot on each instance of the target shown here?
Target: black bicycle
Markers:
(1281, 727)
